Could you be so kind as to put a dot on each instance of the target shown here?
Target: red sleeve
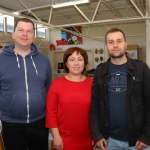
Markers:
(51, 106)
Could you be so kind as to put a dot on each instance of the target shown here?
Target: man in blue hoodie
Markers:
(25, 76)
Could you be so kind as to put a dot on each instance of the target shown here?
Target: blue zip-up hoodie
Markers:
(24, 82)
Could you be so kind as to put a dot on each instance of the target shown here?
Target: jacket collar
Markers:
(130, 66)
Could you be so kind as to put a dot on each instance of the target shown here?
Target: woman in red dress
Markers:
(68, 104)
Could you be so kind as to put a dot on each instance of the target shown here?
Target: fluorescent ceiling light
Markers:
(70, 3)
(16, 13)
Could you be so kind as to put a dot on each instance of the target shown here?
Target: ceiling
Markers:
(94, 13)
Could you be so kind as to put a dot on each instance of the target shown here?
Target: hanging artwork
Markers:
(132, 51)
(132, 54)
(71, 39)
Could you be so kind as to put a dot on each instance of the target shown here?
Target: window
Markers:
(40, 31)
(1, 23)
(10, 24)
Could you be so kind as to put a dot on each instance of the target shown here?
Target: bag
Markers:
(52, 146)
(1, 143)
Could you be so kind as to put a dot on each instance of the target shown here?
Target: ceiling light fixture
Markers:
(16, 13)
(70, 3)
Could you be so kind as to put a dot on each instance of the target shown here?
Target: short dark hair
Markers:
(114, 30)
(23, 20)
(70, 51)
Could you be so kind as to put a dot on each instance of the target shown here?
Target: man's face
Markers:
(23, 34)
(116, 44)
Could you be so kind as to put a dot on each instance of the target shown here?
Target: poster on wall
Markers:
(132, 54)
(71, 39)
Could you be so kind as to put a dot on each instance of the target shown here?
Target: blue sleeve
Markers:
(49, 75)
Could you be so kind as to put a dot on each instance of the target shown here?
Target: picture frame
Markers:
(68, 38)
(132, 51)
(60, 65)
(132, 54)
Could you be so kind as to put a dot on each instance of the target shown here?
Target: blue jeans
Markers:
(114, 144)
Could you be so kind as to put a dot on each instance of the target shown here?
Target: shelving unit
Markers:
(56, 75)
(57, 57)
(43, 48)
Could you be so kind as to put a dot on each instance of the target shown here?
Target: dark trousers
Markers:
(20, 136)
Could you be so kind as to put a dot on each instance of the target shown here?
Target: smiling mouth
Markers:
(76, 68)
(116, 51)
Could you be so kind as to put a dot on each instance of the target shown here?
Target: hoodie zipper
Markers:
(27, 93)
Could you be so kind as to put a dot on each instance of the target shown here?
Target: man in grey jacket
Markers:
(25, 76)
(120, 106)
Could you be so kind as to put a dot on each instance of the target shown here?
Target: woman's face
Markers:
(75, 63)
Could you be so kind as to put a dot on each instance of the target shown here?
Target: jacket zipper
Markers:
(27, 94)
(133, 78)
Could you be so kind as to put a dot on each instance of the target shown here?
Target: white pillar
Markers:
(148, 42)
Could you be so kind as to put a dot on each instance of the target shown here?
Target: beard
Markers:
(118, 56)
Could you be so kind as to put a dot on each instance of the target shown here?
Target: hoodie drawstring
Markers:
(34, 65)
(17, 60)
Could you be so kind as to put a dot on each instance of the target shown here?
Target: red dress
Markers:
(68, 105)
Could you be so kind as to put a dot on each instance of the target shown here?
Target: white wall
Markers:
(99, 32)
(95, 32)
(87, 44)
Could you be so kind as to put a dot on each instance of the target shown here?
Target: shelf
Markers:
(57, 75)
(62, 51)
(58, 58)
(59, 51)
(90, 75)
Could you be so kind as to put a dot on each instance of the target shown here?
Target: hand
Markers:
(58, 143)
(102, 144)
(94, 146)
(140, 145)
